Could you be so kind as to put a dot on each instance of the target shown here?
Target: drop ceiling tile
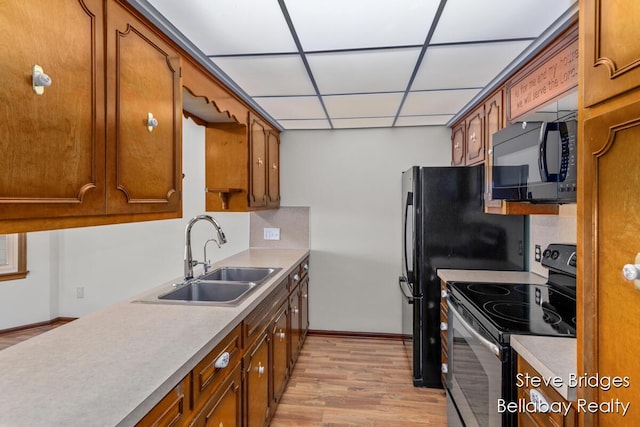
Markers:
(339, 24)
(465, 66)
(304, 124)
(437, 102)
(293, 107)
(365, 122)
(268, 75)
(384, 70)
(433, 120)
(357, 106)
(230, 26)
(467, 20)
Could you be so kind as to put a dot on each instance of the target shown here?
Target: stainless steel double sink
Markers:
(222, 286)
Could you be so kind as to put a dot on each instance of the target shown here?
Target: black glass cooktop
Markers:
(504, 308)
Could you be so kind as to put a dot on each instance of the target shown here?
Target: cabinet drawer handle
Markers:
(260, 369)
(296, 277)
(222, 361)
(305, 267)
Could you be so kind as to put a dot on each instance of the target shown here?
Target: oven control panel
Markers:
(560, 257)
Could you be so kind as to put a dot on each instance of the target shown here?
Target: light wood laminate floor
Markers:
(356, 382)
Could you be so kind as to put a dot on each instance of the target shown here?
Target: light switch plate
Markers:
(271, 234)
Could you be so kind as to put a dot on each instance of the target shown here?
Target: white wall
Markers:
(351, 180)
(115, 262)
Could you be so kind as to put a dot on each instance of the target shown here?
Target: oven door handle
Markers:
(485, 342)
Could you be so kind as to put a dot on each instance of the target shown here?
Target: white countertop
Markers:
(491, 276)
(551, 357)
(111, 367)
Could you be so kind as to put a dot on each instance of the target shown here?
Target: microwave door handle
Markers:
(485, 342)
(542, 158)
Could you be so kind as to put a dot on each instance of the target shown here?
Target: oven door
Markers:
(478, 372)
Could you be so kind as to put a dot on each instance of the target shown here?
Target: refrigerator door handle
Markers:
(404, 240)
(406, 291)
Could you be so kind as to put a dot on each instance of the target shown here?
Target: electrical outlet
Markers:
(80, 293)
(538, 253)
(271, 234)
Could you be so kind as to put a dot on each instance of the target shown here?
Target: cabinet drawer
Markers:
(172, 410)
(224, 406)
(260, 317)
(206, 377)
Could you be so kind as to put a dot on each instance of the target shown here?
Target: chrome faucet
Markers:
(188, 256)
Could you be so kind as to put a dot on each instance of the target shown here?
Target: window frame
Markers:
(17, 267)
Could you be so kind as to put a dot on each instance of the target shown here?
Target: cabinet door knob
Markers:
(274, 166)
(152, 122)
(305, 296)
(296, 277)
(443, 326)
(295, 311)
(305, 267)
(260, 161)
(281, 335)
(260, 369)
(444, 368)
(631, 272)
(39, 80)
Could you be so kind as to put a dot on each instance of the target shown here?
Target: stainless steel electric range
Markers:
(483, 316)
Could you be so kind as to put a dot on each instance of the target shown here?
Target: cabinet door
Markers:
(52, 145)
(475, 137)
(224, 408)
(280, 352)
(273, 181)
(295, 325)
(494, 121)
(457, 145)
(256, 370)
(172, 410)
(144, 171)
(304, 310)
(612, 54)
(258, 166)
(608, 225)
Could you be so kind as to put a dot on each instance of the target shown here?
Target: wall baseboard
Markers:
(37, 325)
(350, 334)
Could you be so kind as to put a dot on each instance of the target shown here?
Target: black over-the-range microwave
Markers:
(535, 162)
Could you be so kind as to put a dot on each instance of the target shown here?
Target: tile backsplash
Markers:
(293, 223)
(545, 229)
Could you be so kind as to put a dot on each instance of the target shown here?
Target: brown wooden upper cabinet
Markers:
(242, 166)
(79, 151)
(612, 63)
(469, 137)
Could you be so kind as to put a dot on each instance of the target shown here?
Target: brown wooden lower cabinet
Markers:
(224, 407)
(261, 353)
(256, 383)
(280, 352)
(173, 409)
(542, 419)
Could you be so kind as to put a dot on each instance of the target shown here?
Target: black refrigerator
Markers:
(444, 226)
